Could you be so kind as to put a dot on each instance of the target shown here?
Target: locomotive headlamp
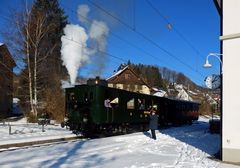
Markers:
(97, 80)
(85, 120)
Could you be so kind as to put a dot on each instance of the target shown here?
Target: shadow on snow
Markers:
(196, 135)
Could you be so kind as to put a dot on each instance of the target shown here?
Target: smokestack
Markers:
(97, 81)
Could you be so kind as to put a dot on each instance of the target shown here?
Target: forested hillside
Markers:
(177, 85)
(161, 77)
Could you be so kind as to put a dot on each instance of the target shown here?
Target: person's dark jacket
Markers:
(153, 124)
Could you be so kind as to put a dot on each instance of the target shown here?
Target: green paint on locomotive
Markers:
(82, 104)
(85, 104)
(89, 100)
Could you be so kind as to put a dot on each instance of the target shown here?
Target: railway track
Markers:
(24, 145)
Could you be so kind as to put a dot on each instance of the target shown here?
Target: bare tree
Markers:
(30, 26)
(37, 21)
(20, 21)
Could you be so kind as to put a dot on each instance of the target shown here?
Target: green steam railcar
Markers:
(96, 108)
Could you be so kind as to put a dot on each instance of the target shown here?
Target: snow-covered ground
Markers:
(185, 146)
(21, 131)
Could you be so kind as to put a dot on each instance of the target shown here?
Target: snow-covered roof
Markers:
(122, 70)
(193, 93)
(155, 89)
(160, 94)
(117, 73)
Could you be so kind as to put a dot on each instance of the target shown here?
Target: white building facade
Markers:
(231, 80)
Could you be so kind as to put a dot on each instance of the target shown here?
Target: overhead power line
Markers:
(145, 37)
(172, 27)
(104, 52)
(90, 21)
(108, 13)
(133, 45)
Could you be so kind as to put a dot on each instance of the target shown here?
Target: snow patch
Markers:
(160, 93)
(185, 146)
(182, 93)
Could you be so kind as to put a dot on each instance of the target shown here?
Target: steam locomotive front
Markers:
(77, 110)
(83, 103)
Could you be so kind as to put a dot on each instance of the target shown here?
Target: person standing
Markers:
(153, 124)
(108, 106)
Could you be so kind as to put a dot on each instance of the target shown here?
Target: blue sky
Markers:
(145, 36)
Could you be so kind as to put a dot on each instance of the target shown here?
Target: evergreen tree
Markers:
(50, 70)
(42, 28)
(149, 74)
(52, 42)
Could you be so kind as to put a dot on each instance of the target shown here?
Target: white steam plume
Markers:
(98, 32)
(83, 13)
(74, 49)
(74, 52)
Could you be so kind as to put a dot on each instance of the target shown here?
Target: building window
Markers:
(127, 76)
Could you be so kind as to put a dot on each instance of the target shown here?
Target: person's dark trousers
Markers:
(153, 134)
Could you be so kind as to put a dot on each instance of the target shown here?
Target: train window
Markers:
(71, 96)
(130, 104)
(141, 104)
(114, 102)
(73, 101)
